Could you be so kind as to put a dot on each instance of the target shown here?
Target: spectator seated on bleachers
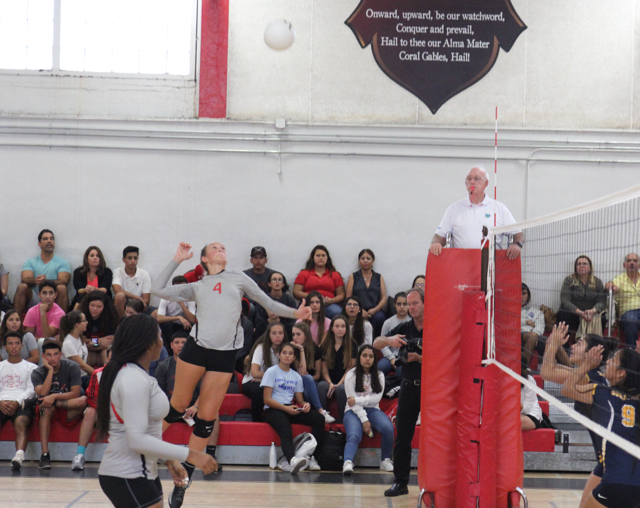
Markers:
(43, 319)
(370, 288)
(531, 326)
(361, 330)
(278, 291)
(258, 272)
(89, 417)
(388, 363)
(583, 299)
(16, 393)
(175, 316)
(319, 323)
(165, 374)
(339, 352)
(72, 328)
(263, 355)
(57, 385)
(625, 288)
(45, 266)
(133, 307)
(130, 281)
(418, 282)
(5, 303)
(11, 322)
(530, 411)
(102, 321)
(93, 275)
(320, 275)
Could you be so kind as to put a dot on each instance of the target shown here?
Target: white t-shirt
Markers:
(15, 380)
(172, 309)
(74, 347)
(137, 285)
(285, 384)
(529, 401)
(465, 220)
(257, 358)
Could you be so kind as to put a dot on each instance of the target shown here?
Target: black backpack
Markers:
(330, 455)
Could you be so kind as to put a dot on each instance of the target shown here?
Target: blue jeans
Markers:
(630, 322)
(385, 367)
(311, 392)
(332, 310)
(379, 422)
(377, 320)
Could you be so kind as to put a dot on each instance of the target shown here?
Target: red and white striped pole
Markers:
(495, 170)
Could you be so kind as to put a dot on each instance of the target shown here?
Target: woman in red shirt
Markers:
(320, 275)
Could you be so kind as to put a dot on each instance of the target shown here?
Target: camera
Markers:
(413, 346)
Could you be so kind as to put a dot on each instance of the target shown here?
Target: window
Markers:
(128, 37)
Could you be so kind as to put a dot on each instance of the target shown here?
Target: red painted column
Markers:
(213, 59)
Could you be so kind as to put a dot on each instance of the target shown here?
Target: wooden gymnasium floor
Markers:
(255, 487)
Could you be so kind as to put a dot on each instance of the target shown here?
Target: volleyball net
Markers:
(566, 262)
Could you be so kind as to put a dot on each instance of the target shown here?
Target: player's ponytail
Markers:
(133, 338)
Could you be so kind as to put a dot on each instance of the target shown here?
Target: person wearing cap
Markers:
(465, 219)
(259, 273)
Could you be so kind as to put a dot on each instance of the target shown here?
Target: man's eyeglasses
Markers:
(470, 179)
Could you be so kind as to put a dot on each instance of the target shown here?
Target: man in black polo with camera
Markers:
(408, 337)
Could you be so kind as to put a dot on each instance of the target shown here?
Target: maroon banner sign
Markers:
(436, 48)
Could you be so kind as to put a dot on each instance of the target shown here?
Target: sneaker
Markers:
(327, 417)
(386, 465)
(391, 393)
(16, 462)
(45, 461)
(284, 466)
(347, 468)
(78, 463)
(418, 422)
(298, 463)
(176, 498)
(313, 464)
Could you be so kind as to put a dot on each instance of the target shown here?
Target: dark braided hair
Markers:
(133, 338)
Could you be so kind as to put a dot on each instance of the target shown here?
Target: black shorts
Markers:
(617, 495)
(131, 492)
(19, 412)
(534, 420)
(210, 359)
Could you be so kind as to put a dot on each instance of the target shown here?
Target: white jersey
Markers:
(15, 380)
(138, 406)
(219, 304)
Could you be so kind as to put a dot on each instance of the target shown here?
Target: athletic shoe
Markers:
(313, 464)
(327, 417)
(176, 498)
(284, 466)
(45, 461)
(16, 462)
(386, 465)
(391, 393)
(347, 468)
(298, 463)
(78, 463)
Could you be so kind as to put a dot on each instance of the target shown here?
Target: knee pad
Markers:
(173, 416)
(203, 428)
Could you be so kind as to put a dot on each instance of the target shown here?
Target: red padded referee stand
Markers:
(462, 460)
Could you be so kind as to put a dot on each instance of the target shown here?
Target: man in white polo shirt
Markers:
(130, 281)
(465, 219)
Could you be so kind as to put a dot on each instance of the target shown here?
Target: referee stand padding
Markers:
(464, 463)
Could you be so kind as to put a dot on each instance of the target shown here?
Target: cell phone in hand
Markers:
(94, 341)
(298, 408)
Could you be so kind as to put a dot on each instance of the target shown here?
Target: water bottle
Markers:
(273, 458)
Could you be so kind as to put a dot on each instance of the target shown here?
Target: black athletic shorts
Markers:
(535, 421)
(210, 359)
(617, 495)
(19, 412)
(131, 492)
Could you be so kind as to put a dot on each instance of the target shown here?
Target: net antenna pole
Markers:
(495, 170)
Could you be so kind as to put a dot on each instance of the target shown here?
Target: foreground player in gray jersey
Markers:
(131, 407)
(211, 355)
